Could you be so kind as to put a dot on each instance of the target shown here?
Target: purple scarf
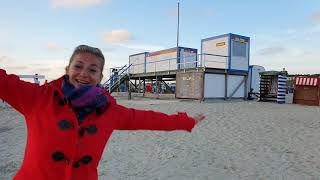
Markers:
(85, 99)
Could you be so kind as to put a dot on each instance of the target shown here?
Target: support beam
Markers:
(139, 90)
(225, 85)
(245, 87)
(237, 88)
(135, 85)
(167, 87)
(144, 87)
(129, 87)
(157, 89)
(32, 76)
(152, 85)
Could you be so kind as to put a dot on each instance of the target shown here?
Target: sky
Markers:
(38, 36)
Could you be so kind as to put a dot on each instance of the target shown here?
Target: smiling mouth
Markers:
(80, 82)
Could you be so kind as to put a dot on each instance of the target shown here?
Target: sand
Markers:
(238, 140)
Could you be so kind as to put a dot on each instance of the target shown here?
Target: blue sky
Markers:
(38, 36)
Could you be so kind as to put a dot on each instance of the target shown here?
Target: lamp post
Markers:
(178, 60)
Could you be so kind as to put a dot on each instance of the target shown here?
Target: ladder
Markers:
(116, 79)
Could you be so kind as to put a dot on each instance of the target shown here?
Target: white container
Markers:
(228, 51)
(171, 59)
(187, 58)
(254, 78)
(138, 62)
(214, 86)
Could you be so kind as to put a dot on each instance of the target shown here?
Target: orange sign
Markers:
(162, 52)
(221, 44)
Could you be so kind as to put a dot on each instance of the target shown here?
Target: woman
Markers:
(70, 120)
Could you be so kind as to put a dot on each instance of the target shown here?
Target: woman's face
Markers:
(85, 69)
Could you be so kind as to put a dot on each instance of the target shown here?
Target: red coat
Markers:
(57, 148)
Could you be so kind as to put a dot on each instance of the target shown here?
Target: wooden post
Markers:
(144, 87)
(225, 85)
(203, 85)
(152, 85)
(129, 87)
(245, 87)
(135, 84)
(139, 85)
(157, 89)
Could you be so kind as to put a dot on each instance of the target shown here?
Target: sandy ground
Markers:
(244, 140)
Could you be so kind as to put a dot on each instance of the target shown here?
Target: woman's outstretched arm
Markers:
(19, 94)
(133, 119)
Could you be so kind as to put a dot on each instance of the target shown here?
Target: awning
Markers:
(306, 81)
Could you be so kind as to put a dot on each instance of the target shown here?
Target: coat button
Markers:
(92, 129)
(76, 164)
(86, 159)
(62, 101)
(55, 93)
(81, 131)
(64, 125)
(58, 156)
(99, 111)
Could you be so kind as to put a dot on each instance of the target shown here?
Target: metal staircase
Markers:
(116, 79)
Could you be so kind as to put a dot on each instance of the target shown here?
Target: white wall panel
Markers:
(188, 58)
(138, 63)
(219, 46)
(233, 82)
(254, 78)
(214, 86)
(161, 60)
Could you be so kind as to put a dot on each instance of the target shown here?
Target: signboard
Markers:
(221, 44)
(189, 85)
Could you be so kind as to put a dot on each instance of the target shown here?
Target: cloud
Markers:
(315, 17)
(294, 49)
(315, 30)
(107, 49)
(4, 59)
(142, 47)
(271, 51)
(51, 69)
(173, 13)
(295, 60)
(51, 46)
(2, 36)
(16, 68)
(209, 12)
(74, 3)
(117, 36)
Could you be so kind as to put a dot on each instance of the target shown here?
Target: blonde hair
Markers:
(88, 49)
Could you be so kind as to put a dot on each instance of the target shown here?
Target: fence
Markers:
(184, 63)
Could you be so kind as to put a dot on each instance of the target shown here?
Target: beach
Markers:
(238, 140)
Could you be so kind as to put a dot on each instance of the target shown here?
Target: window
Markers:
(239, 49)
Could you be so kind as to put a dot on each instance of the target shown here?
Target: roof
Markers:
(306, 81)
(273, 73)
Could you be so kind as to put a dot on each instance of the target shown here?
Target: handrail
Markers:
(213, 55)
(121, 73)
(200, 61)
(122, 68)
(111, 77)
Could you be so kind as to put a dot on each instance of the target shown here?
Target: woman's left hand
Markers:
(199, 117)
